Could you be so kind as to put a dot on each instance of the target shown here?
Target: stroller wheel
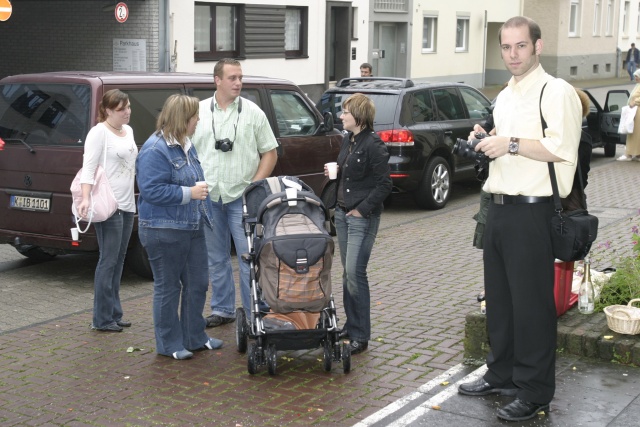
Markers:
(346, 357)
(326, 361)
(252, 362)
(241, 330)
(272, 359)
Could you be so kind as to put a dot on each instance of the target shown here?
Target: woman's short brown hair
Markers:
(112, 100)
(175, 115)
(361, 108)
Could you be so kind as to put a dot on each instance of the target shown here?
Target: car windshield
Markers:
(44, 114)
(386, 106)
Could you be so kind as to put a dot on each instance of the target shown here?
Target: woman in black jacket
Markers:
(363, 184)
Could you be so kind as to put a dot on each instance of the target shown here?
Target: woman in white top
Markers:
(114, 233)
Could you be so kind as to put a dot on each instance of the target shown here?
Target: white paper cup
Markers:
(75, 235)
(332, 168)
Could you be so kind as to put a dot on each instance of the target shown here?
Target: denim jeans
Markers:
(178, 260)
(227, 223)
(113, 238)
(355, 238)
(631, 68)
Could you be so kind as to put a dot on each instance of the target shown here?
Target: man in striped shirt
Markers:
(236, 146)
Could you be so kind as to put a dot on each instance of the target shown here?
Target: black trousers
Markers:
(521, 312)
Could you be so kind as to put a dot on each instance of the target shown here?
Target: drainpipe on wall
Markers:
(484, 51)
(163, 36)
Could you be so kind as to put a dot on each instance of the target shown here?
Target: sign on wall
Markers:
(129, 55)
(5, 10)
(122, 12)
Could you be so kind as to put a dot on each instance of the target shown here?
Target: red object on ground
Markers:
(562, 287)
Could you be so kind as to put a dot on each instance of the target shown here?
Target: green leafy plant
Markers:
(624, 284)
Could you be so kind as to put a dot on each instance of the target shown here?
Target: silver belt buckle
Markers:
(498, 198)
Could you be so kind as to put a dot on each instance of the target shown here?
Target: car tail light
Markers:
(397, 137)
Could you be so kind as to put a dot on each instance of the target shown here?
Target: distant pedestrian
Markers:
(632, 147)
(633, 59)
(174, 211)
(366, 70)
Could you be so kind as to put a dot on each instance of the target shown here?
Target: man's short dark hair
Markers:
(367, 65)
(519, 21)
(219, 68)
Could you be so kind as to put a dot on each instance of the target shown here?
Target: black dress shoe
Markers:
(123, 323)
(358, 346)
(110, 328)
(480, 387)
(520, 410)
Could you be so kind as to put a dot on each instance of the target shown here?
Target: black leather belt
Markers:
(341, 207)
(505, 199)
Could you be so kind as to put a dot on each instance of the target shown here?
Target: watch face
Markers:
(513, 147)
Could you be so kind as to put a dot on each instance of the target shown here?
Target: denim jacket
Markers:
(165, 176)
(364, 172)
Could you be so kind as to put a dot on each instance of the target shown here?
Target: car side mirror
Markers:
(327, 124)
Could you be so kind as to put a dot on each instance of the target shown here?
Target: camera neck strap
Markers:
(213, 113)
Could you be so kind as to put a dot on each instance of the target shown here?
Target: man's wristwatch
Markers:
(514, 146)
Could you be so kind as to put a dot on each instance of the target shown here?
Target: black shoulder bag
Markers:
(572, 232)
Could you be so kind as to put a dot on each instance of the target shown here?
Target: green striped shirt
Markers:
(228, 174)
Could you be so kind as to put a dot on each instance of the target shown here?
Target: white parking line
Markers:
(426, 406)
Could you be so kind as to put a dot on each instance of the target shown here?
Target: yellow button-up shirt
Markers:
(517, 114)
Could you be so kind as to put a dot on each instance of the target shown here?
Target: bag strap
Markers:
(552, 169)
(91, 204)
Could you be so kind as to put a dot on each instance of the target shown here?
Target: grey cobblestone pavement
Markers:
(424, 273)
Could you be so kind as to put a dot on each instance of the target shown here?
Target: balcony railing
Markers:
(390, 5)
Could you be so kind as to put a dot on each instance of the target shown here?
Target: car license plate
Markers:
(30, 203)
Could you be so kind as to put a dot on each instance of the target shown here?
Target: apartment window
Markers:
(573, 71)
(462, 34)
(625, 18)
(574, 18)
(596, 18)
(609, 27)
(216, 31)
(295, 30)
(429, 31)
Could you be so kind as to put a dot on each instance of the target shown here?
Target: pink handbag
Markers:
(103, 201)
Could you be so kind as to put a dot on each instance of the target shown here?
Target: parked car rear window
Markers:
(386, 105)
(44, 114)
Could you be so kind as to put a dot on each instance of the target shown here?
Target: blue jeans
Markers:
(227, 223)
(631, 68)
(178, 260)
(113, 238)
(355, 239)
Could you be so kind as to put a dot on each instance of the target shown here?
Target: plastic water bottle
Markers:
(586, 295)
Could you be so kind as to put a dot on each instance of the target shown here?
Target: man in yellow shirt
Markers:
(518, 259)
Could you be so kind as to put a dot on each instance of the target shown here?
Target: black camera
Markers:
(465, 148)
(224, 145)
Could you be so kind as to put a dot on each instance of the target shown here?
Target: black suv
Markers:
(419, 123)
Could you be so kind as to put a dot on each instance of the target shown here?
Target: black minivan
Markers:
(44, 119)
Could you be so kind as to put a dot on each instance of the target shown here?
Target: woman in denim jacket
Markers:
(173, 209)
(364, 182)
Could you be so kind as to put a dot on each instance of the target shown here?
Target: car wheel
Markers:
(35, 253)
(435, 188)
(137, 259)
(609, 149)
(328, 199)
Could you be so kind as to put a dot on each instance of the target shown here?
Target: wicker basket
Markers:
(624, 319)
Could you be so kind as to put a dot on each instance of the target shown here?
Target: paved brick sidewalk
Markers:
(424, 274)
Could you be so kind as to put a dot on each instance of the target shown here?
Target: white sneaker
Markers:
(624, 158)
